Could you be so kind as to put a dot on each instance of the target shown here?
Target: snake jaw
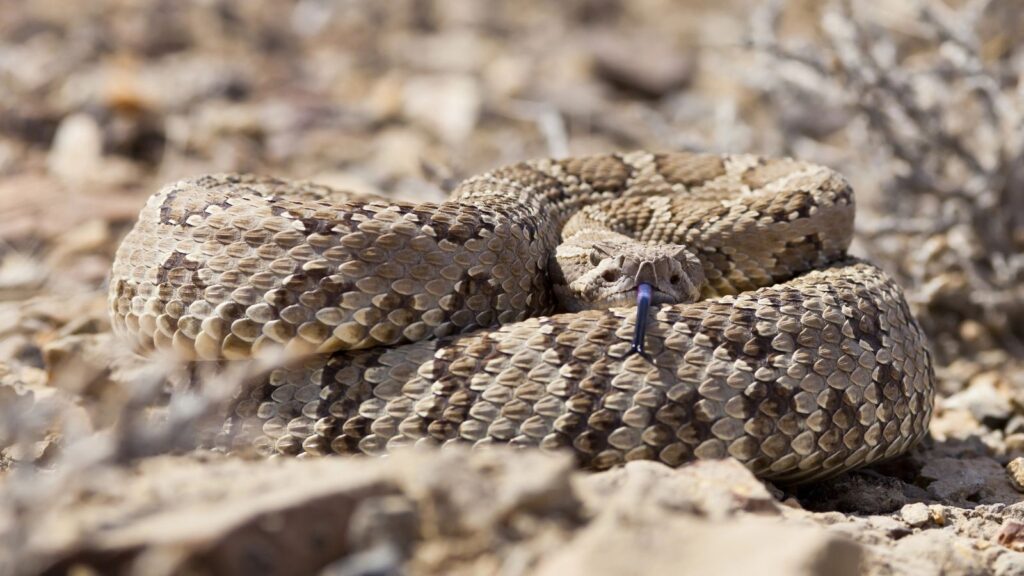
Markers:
(643, 306)
(601, 269)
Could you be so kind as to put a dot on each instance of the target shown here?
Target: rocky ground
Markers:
(101, 102)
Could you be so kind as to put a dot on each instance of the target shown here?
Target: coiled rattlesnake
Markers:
(796, 360)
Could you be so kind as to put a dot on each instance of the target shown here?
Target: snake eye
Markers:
(675, 279)
(609, 275)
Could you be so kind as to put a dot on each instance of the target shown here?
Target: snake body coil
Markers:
(428, 323)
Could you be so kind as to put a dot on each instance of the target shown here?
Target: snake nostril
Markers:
(675, 279)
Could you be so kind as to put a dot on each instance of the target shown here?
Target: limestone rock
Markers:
(916, 514)
(752, 545)
(713, 488)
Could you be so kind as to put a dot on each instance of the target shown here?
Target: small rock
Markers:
(461, 50)
(713, 488)
(399, 152)
(508, 75)
(916, 514)
(812, 113)
(380, 560)
(967, 480)
(984, 401)
(20, 275)
(81, 364)
(955, 424)
(889, 527)
(1014, 443)
(1015, 425)
(491, 486)
(643, 66)
(1011, 535)
(89, 236)
(1015, 472)
(385, 99)
(831, 518)
(932, 552)
(390, 520)
(859, 492)
(77, 151)
(1009, 564)
(959, 372)
(975, 335)
(792, 503)
(447, 104)
(682, 545)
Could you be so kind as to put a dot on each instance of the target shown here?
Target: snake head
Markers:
(603, 269)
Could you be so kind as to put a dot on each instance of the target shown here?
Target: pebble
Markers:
(938, 514)
(984, 401)
(749, 545)
(935, 552)
(1015, 472)
(1014, 443)
(1009, 564)
(954, 479)
(77, 151)
(1011, 535)
(446, 104)
(642, 65)
(1015, 425)
(916, 514)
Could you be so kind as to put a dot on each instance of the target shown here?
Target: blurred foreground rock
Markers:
(484, 512)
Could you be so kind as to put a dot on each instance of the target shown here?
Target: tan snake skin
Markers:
(798, 361)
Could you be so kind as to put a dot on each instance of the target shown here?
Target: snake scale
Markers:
(412, 324)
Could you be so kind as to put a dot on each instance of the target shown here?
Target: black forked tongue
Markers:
(643, 305)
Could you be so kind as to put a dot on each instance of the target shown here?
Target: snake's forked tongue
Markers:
(643, 304)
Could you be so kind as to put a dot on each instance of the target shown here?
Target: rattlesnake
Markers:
(429, 323)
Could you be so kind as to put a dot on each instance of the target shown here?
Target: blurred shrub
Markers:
(932, 102)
